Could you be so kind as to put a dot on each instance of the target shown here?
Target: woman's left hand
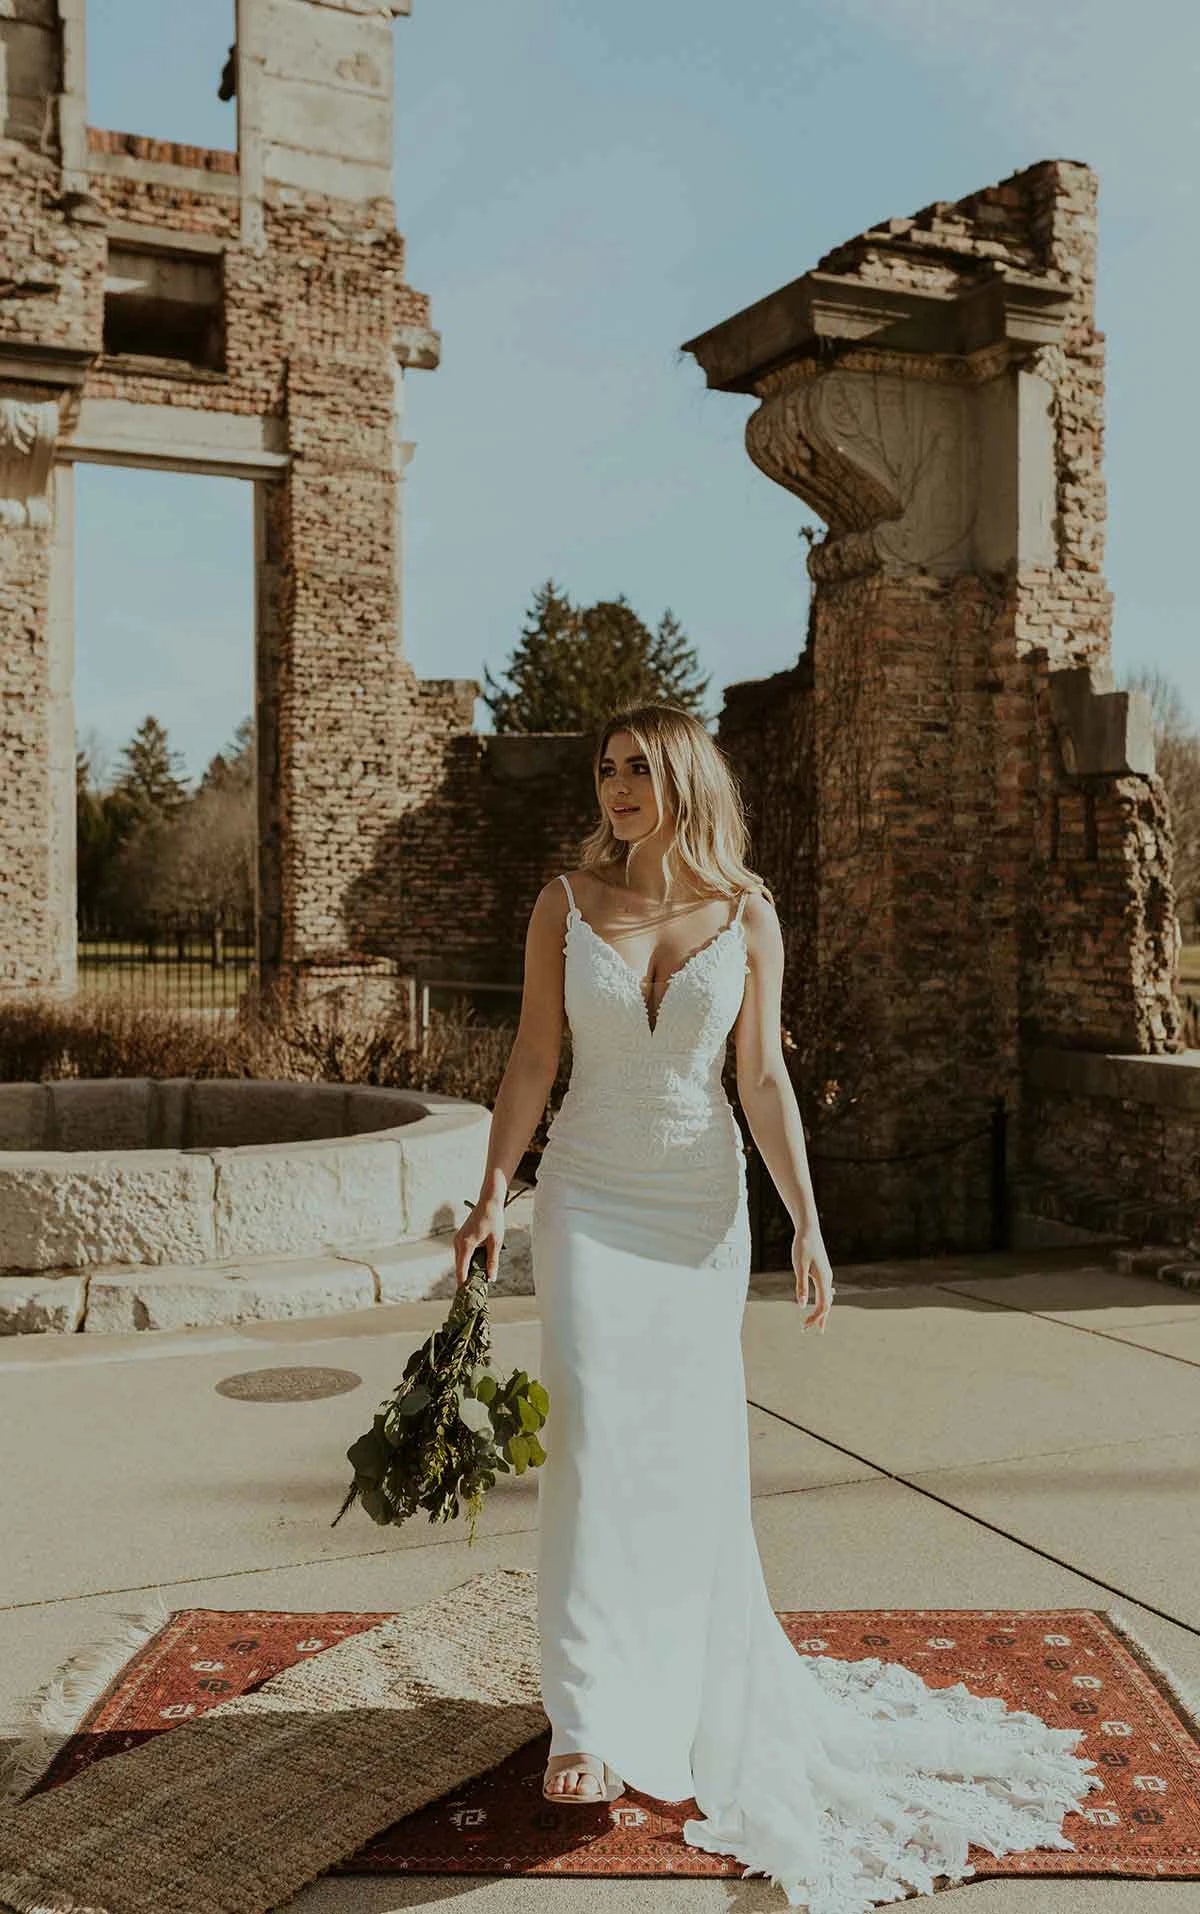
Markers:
(810, 1261)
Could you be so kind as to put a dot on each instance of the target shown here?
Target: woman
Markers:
(664, 1666)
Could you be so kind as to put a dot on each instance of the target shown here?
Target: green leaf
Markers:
(413, 1403)
(486, 1386)
(517, 1449)
(369, 1455)
(475, 1415)
(530, 1419)
(537, 1455)
(376, 1504)
(540, 1398)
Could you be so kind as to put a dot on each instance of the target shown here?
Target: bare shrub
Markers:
(102, 1037)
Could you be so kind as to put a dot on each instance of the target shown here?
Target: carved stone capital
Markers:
(850, 556)
(811, 434)
(888, 461)
(28, 433)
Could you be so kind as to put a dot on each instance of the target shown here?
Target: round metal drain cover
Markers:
(288, 1385)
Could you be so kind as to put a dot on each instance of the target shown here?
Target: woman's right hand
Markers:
(485, 1224)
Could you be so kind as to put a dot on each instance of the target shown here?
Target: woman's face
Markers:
(626, 791)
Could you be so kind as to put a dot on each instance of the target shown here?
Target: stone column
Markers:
(933, 390)
(315, 101)
(37, 741)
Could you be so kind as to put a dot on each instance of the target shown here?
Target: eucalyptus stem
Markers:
(450, 1425)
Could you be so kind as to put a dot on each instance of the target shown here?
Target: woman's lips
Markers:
(625, 810)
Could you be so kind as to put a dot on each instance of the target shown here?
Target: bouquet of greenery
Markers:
(451, 1424)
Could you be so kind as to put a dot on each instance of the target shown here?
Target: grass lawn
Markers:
(121, 969)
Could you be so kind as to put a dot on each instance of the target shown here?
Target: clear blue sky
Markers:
(584, 185)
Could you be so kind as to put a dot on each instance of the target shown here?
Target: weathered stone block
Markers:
(24, 1115)
(109, 1113)
(225, 1114)
(170, 1098)
(290, 1197)
(36, 1303)
(152, 1206)
(368, 1110)
(263, 1291)
(412, 1272)
(433, 1162)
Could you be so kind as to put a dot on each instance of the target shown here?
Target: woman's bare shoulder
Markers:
(551, 901)
(759, 909)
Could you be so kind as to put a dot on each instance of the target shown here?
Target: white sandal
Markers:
(611, 1785)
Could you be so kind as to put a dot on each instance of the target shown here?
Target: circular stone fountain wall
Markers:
(130, 1203)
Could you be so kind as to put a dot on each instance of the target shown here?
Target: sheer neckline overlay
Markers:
(575, 915)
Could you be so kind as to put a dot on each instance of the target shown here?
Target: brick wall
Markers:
(967, 899)
(29, 894)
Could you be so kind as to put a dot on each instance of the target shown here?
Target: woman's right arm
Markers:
(527, 1081)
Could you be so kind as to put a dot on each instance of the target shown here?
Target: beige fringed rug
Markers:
(293, 1776)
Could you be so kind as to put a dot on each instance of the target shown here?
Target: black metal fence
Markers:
(176, 960)
(771, 1228)
(487, 1002)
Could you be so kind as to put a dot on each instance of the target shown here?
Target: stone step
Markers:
(116, 1298)
(1161, 1261)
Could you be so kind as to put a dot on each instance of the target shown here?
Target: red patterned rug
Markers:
(1075, 1667)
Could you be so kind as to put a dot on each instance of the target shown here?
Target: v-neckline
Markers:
(735, 923)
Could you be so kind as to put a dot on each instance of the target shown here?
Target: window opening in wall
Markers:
(167, 822)
(157, 67)
(164, 304)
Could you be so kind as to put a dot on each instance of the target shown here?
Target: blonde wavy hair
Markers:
(694, 783)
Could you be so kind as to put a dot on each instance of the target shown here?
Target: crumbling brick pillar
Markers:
(991, 856)
(42, 147)
(37, 746)
(239, 313)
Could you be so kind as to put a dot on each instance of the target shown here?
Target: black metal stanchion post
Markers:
(1001, 1221)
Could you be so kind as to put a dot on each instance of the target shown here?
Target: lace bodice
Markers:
(642, 1095)
(607, 1011)
(677, 1058)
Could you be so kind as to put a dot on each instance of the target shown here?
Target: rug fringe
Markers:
(50, 1715)
(1184, 1693)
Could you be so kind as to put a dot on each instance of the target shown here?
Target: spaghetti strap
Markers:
(570, 893)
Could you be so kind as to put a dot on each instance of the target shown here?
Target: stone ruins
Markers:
(957, 809)
(957, 812)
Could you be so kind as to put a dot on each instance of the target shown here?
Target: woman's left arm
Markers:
(766, 1095)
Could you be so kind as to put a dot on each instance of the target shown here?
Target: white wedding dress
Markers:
(850, 1783)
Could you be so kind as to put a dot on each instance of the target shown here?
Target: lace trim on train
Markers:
(898, 1809)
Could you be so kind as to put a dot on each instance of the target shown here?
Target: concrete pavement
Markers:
(1018, 1431)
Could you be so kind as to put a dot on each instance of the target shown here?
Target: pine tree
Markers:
(96, 834)
(151, 777)
(232, 769)
(574, 664)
